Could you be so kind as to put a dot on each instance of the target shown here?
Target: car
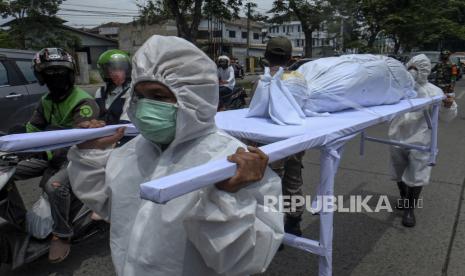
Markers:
(19, 89)
(460, 61)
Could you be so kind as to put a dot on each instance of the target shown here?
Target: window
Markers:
(298, 43)
(244, 35)
(288, 29)
(26, 68)
(232, 34)
(284, 29)
(314, 41)
(3, 75)
(256, 36)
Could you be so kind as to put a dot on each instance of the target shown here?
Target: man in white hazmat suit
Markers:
(220, 230)
(410, 167)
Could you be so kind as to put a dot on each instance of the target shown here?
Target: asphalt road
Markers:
(364, 243)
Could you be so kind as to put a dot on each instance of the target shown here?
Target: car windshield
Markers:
(458, 58)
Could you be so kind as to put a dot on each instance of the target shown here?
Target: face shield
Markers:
(58, 81)
(118, 72)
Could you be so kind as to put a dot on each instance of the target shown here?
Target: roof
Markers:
(88, 34)
(242, 22)
(108, 25)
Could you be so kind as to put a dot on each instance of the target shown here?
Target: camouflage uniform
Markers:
(445, 76)
(289, 170)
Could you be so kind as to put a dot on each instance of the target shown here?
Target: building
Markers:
(323, 42)
(215, 37)
(230, 38)
(92, 44)
(110, 30)
(132, 35)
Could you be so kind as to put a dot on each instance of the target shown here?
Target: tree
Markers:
(189, 13)
(34, 24)
(311, 15)
(409, 24)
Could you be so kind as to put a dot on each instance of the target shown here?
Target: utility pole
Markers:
(342, 34)
(248, 27)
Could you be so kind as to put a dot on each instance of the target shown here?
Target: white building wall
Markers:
(293, 31)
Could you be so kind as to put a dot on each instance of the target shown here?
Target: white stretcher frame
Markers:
(172, 186)
(331, 152)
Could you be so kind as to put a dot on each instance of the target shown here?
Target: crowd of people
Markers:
(172, 101)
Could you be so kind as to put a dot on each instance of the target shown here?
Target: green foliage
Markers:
(153, 12)
(35, 25)
(410, 23)
(188, 13)
(23, 8)
(311, 15)
(6, 41)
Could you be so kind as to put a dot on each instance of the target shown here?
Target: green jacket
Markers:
(79, 106)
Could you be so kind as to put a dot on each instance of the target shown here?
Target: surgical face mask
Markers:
(155, 120)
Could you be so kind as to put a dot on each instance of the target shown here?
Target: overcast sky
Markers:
(89, 13)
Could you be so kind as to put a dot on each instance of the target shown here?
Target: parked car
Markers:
(19, 88)
(459, 59)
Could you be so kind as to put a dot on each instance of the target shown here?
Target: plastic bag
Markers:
(39, 221)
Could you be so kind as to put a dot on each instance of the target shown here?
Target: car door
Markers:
(35, 90)
(13, 97)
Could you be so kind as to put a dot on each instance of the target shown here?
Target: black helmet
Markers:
(445, 54)
(53, 59)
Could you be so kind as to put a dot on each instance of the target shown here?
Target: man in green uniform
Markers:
(278, 54)
(65, 106)
(446, 73)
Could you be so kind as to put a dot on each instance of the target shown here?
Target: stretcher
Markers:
(329, 134)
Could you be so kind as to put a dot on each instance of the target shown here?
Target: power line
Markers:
(97, 7)
(96, 15)
(98, 12)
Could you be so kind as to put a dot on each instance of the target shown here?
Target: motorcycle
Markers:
(17, 246)
(233, 100)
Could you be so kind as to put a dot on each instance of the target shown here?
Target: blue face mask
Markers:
(155, 120)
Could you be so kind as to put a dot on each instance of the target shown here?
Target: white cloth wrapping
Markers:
(282, 141)
(49, 140)
(205, 232)
(407, 165)
(333, 84)
(355, 81)
(272, 99)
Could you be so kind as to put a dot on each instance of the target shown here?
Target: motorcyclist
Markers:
(115, 69)
(238, 69)
(64, 106)
(226, 78)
